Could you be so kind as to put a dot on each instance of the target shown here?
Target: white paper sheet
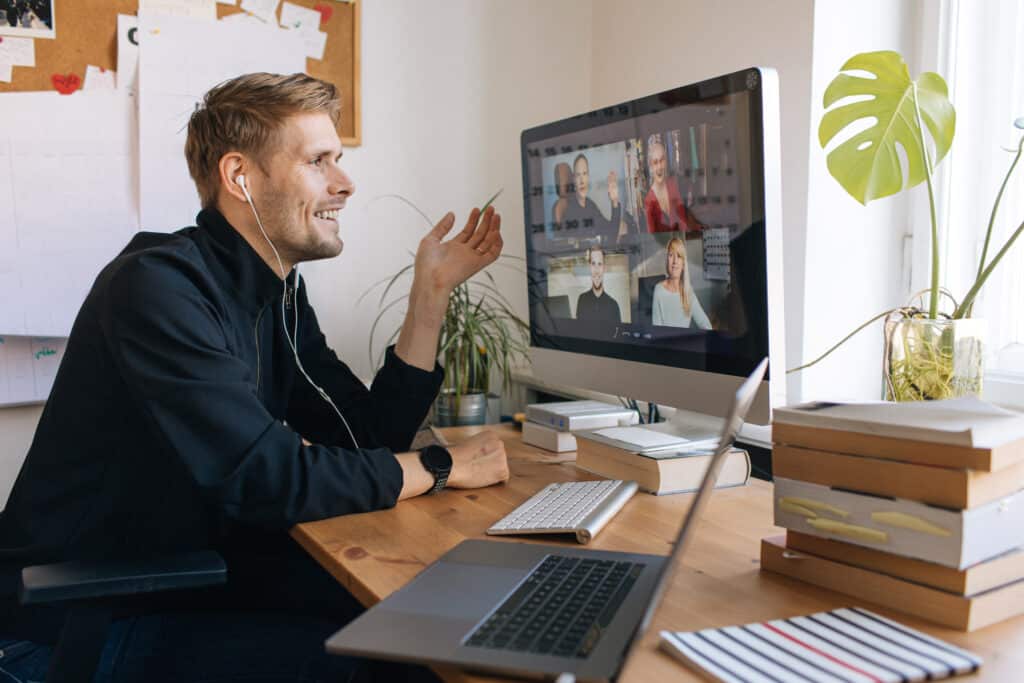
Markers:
(127, 52)
(264, 9)
(298, 18)
(314, 43)
(97, 78)
(6, 73)
(196, 9)
(179, 60)
(28, 367)
(17, 51)
(67, 202)
(228, 2)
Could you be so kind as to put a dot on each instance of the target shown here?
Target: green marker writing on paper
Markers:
(45, 351)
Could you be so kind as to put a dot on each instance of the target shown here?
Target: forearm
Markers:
(417, 340)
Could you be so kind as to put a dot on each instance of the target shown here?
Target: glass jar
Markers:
(928, 359)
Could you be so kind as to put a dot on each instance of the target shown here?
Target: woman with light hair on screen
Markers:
(675, 304)
(663, 204)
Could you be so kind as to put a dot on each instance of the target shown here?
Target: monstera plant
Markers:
(930, 353)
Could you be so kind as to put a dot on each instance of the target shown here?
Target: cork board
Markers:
(87, 34)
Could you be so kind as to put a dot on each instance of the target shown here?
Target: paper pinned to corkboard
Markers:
(88, 35)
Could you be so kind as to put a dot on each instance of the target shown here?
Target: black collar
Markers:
(236, 263)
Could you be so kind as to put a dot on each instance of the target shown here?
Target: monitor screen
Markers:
(645, 229)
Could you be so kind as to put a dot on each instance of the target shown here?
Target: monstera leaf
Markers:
(867, 165)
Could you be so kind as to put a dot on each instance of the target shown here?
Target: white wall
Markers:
(854, 253)
(646, 46)
(447, 89)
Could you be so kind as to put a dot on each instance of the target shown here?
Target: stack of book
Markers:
(661, 467)
(550, 425)
(915, 506)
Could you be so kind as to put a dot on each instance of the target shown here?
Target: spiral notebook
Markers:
(844, 644)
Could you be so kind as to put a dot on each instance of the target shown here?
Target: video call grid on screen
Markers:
(675, 274)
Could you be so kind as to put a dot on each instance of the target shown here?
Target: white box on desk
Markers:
(569, 416)
(548, 438)
(968, 536)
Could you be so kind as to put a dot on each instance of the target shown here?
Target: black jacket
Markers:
(166, 426)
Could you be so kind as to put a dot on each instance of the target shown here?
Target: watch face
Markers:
(436, 459)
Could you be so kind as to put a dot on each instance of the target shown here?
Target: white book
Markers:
(968, 422)
(952, 538)
(848, 644)
(567, 416)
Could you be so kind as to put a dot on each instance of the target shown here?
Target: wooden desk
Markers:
(719, 583)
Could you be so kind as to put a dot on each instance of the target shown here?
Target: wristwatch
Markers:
(438, 461)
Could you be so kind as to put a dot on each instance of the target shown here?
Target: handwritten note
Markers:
(307, 23)
(28, 367)
(299, 18)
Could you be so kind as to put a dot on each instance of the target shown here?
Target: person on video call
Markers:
(180, 419)
(563, 185)
(675, 304)
(663, 204)
(582, 214)
(596, 303)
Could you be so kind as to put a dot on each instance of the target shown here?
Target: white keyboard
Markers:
(574, 507)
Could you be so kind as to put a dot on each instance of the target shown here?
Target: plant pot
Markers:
(458, 411)
(928, 359)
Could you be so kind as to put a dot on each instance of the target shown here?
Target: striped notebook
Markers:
(852, 645)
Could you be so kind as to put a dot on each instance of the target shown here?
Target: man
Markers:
(595, 303)
(181, 418)
(582, 214)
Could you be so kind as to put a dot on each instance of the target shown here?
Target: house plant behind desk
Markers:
(480, 334)
(930, 353)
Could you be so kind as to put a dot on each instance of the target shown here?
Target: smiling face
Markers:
(304, 189)
(657, 163)
(581, 177)
(675, 262)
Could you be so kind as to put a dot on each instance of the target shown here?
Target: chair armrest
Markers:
(88, 580)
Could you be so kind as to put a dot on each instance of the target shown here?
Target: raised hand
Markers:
(613, 187)
(445, 265)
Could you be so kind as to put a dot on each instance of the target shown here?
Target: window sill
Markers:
(1005, 389)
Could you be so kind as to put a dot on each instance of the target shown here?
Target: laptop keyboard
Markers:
(561, 609)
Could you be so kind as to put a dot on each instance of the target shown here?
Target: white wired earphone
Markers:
(293, 340)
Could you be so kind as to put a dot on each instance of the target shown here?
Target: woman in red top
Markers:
(663, 203)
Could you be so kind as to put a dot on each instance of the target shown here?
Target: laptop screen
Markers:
(737, 412)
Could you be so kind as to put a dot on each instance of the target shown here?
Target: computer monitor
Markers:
(654, 245)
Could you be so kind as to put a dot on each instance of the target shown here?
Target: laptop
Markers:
(532, 610)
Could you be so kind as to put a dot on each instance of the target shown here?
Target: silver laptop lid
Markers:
(733, 421)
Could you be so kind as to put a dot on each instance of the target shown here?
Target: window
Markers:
(982, 59)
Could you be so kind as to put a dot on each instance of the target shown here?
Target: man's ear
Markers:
(231, 166)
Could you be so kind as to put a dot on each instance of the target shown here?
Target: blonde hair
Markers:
(684, 277)
(246, 114)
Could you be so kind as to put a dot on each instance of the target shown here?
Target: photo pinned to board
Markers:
(28, 18)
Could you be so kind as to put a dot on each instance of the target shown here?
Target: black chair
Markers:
(91, 589)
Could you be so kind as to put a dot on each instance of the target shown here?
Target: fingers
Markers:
(443, 226)
(493, 238)
(467, 232)
(483, 229)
